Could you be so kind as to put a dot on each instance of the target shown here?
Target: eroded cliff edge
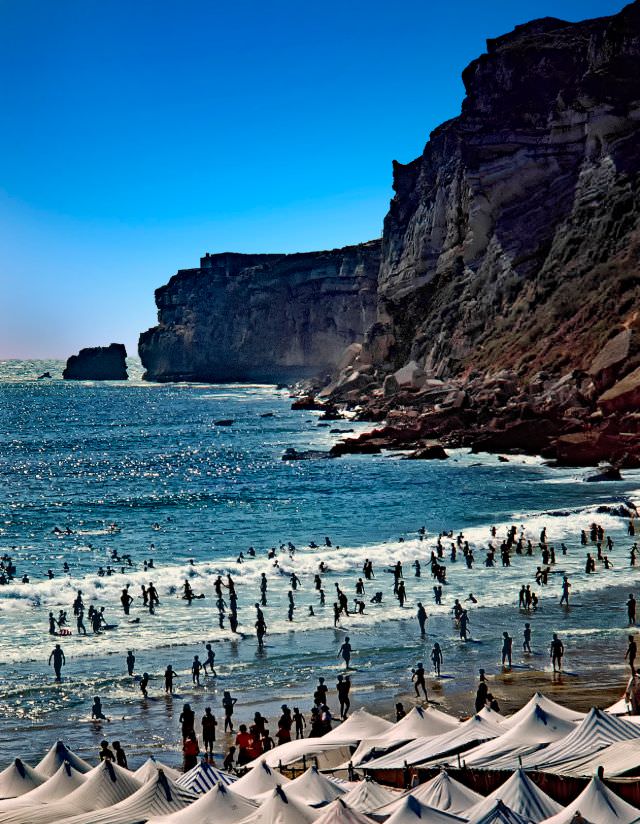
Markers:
(271, 318)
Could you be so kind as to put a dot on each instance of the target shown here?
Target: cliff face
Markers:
(99, 363)
(514, 240)
(262, 317)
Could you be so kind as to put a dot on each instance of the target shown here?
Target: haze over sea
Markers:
(86, 455)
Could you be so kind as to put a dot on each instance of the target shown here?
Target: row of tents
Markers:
(542, 739)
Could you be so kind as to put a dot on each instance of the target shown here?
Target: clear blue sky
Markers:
(138, 134)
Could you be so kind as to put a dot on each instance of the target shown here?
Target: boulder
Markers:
(624, 396)
(604, 473)
(610, 361)
(292, 454)
(390, 386)
(99, 363)
(429, 452)
(410, 375)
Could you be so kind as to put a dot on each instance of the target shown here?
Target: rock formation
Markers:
(100, 363)
(262, 317)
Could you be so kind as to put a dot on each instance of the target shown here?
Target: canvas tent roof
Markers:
(368, 795)
(157, 797)
(535, 730)
(259, 780)
(521, 795)
(442, 792)
(499, 814)
(412, 811)
(616, 759)
(65, 781)
(594, 732)
(552, 707)
(472, 731)
(314, 789)
(339, 812)
(19, 778)
(597, 803)
(56, 756)
(105, 785)
(148, 770)
(280, 809)
(201, 778)
(360, 724)
(218, 806)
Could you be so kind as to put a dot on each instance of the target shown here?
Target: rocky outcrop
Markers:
(99, 363)
(262, 317)
(514, 240)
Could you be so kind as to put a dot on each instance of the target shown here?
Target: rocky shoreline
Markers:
(582, 418)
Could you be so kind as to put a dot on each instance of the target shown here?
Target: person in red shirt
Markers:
(190, 750)
(244, 742)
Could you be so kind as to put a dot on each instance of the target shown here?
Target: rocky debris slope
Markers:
(266, 318)
(99, 363)
(508, 295)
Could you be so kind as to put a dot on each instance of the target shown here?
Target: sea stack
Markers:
(98, 363)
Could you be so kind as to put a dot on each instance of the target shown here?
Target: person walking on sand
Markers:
(344, 688)
(630, 654)
(209, 725)
(418, 677)
(556, 652)
(507, 647)
(566, 586)
(57, 656)
(345, 652)
(228, 704)
(422, 618)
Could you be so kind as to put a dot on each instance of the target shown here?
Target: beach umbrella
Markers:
(58, 754)
(499, 813)
(368, 795)
(521, 795)
(259, 780)
(157, 797)
(19, 778)
(280, 809)
(339, 812)
(104, 786)
(201, 778)
(597, 803)
(221, 805)
(148, 770)
(412, 811)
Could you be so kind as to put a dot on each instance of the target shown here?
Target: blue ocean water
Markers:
(192, 495)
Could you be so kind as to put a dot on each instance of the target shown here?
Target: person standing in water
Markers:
(228, 704)
(507, 646)
(169, 675)
(131, 660)
(195, 670)
(210, 661)
(57, 656)
(630, 654)
(345, 652)
(566, 586)
(526, 644)
(209, 725)
(436, 658)
(556, 652)
(422, 618)
(631, 610)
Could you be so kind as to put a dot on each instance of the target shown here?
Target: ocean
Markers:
(191, 495)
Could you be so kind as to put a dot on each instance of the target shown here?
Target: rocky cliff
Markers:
(262, 317)
(98, 363)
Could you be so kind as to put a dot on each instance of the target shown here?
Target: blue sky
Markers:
(137, 135)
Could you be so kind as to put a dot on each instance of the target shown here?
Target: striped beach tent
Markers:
(201, 778)
(552, 707)
(314, 789)
(442, 792)
(520, 795)
(148, 770)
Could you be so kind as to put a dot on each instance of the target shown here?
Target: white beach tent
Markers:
(412, 811)
(65, 781)
(616, 759)
(596, 731)
(280, 809)
(466, 735)
(535, 730)
(359, 725)
(597, 804)
(500, 814)
(521, 795)
(19, 778)
(56, 756)
(420, 722)
(148, 770)
(492, 715)
(552, 707)
(221, 805)
(368, 795)
(314, 789)
(157, 797)
(201, 778)
(105, 785)
(442, 792)
(259, 780)
(339, 812)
